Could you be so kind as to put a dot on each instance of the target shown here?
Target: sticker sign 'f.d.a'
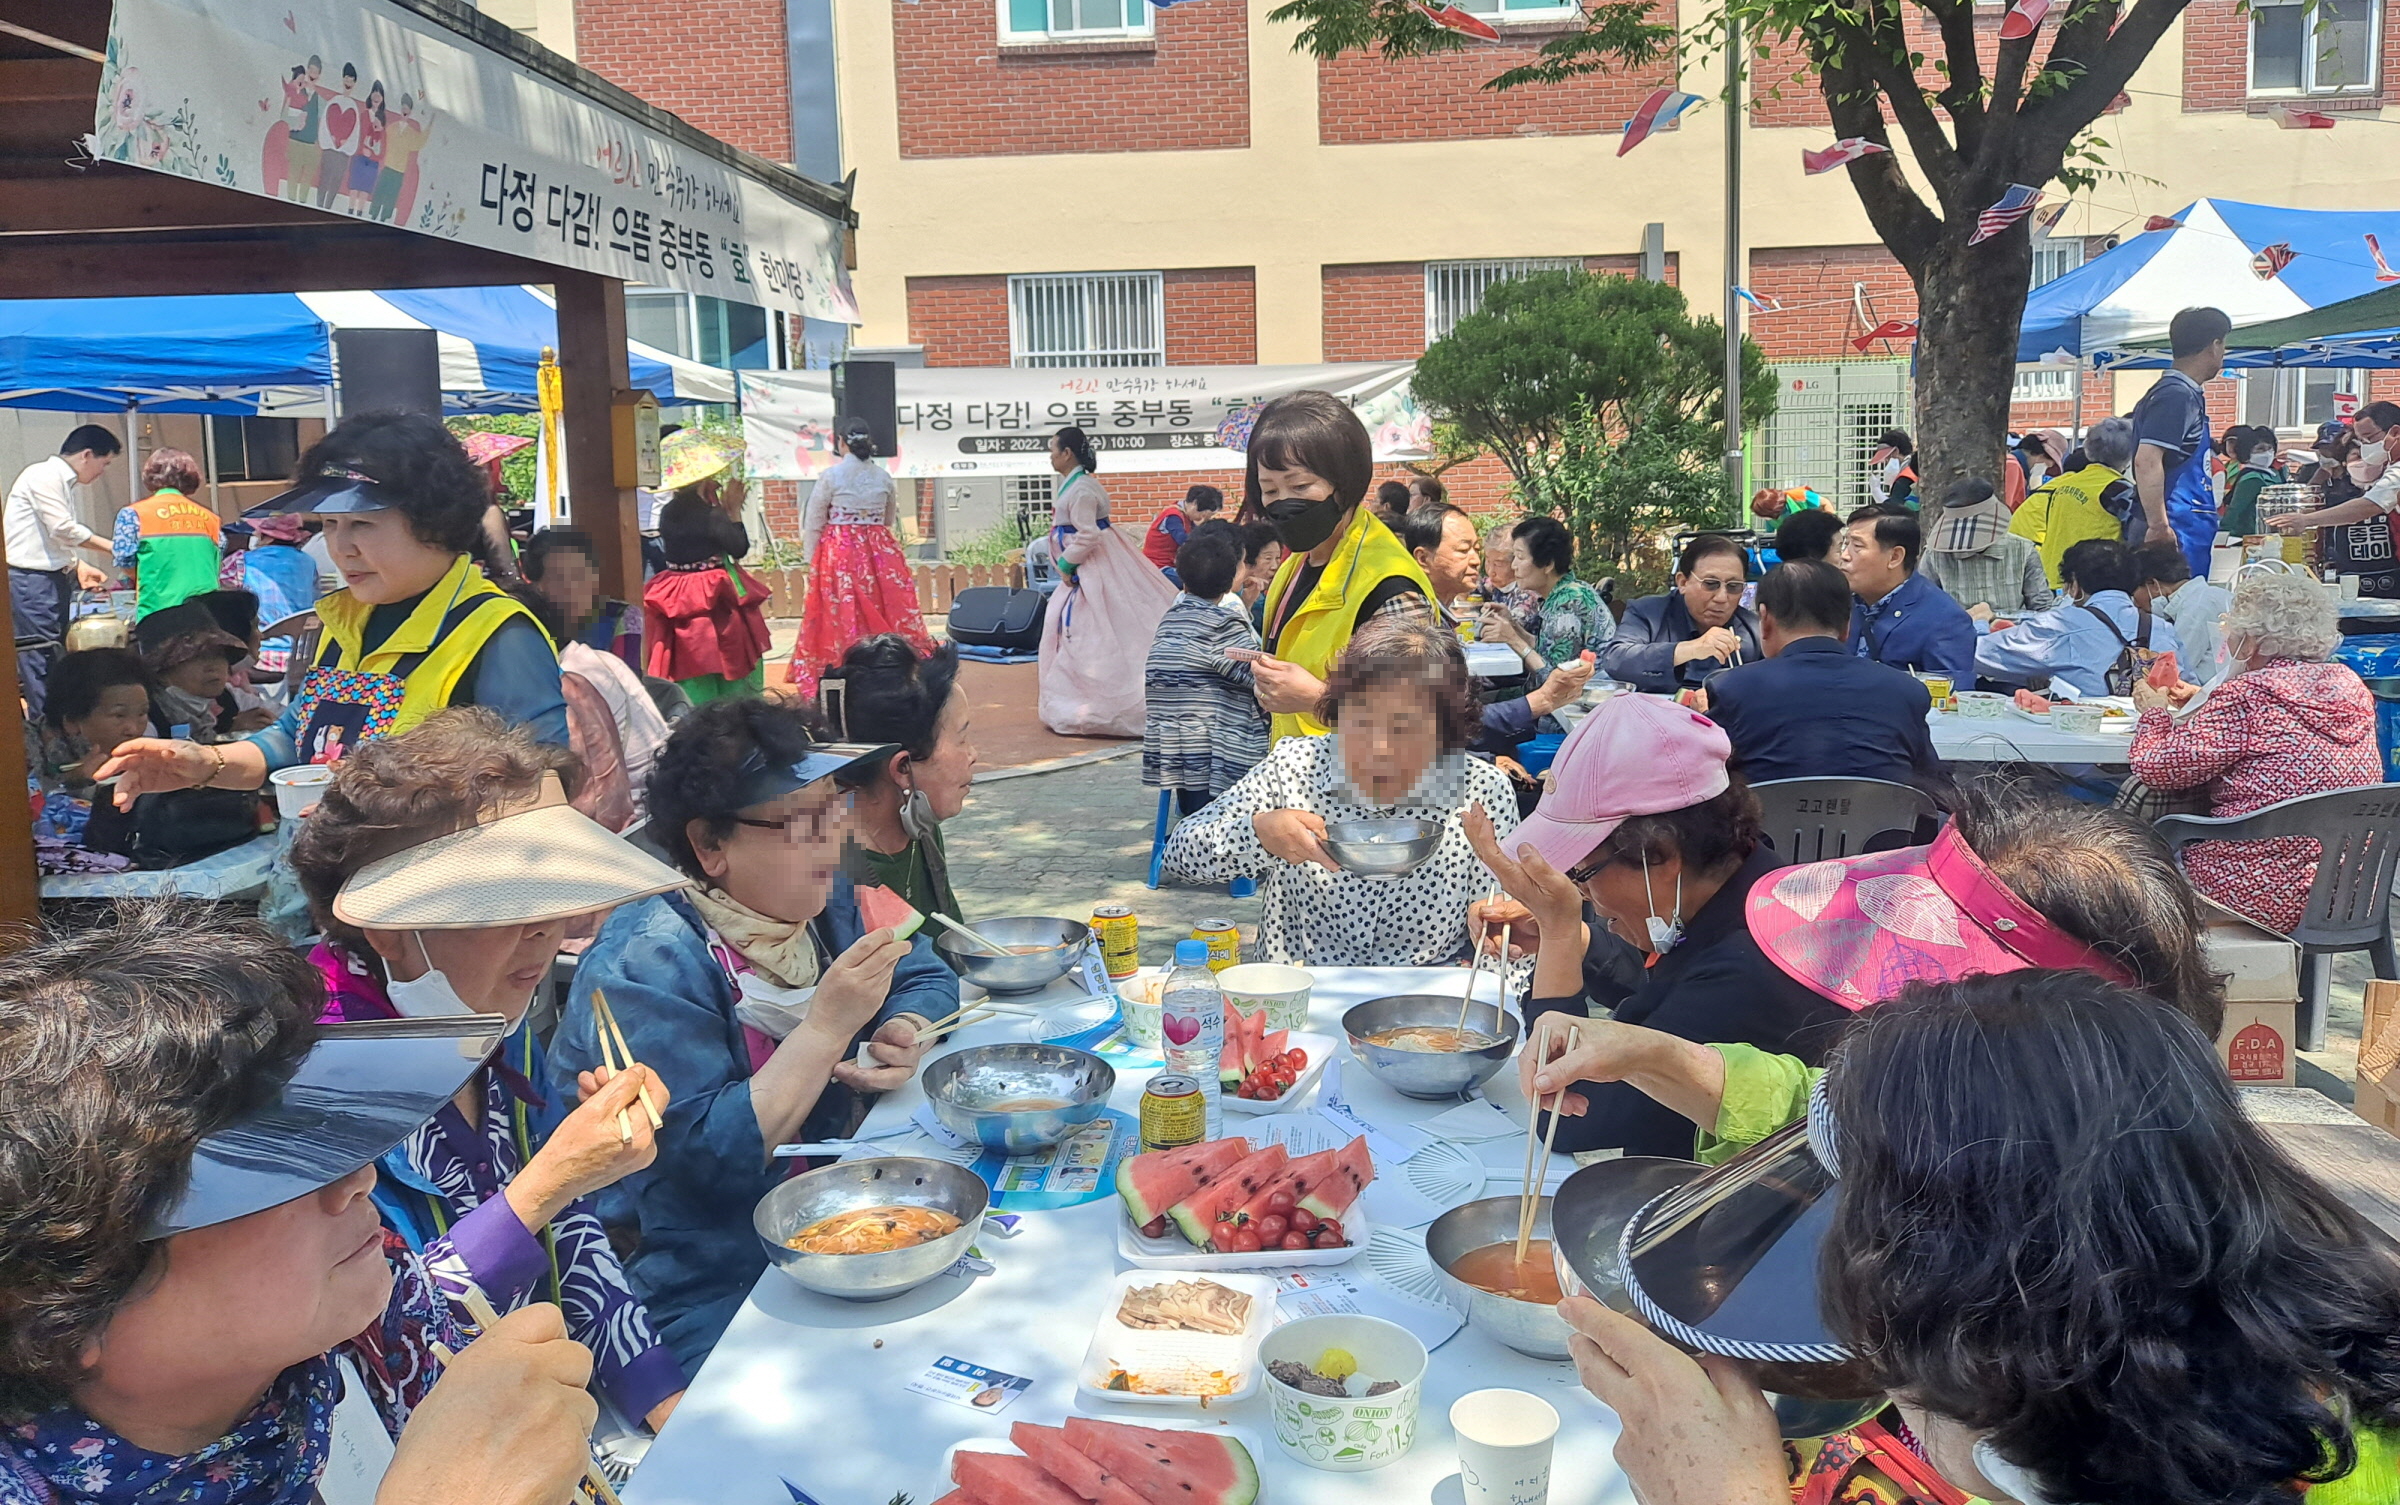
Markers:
(368, 110)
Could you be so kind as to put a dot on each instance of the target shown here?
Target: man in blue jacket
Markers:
(1811, 709)
(1901, 618)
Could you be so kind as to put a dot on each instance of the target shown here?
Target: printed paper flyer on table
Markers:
(368, 110)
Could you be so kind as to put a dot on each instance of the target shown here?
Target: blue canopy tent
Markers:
(273, 352)
(2106, 312)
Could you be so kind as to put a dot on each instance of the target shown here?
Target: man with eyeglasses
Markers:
(1675, 641)
(1901, 618)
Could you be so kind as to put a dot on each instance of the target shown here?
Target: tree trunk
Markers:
(1970, 300)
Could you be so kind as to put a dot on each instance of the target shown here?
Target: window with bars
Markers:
(1029, 499)
(1045, 20)
(1089, 319)
(2313, 46)
(1455, 289)
(2043, 384)
(1520, 10)
(2053, 259)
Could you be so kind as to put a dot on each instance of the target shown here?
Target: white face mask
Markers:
(429, 996)
(2012, 1481)
(2372, 451)
(1665, 934)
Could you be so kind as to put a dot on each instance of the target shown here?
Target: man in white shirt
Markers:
(42, 535)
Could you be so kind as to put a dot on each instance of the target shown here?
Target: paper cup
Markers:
(1504, 1442)
(2081, 720)
(1138, 999)
(1282, 991)
(297, 790)
(1341, 1435)
(1980, 705)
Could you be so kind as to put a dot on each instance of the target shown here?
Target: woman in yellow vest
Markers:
(1310, 462)
(416, 629)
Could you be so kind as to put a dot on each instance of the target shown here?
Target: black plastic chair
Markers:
(2349, 901)
(1842, 817)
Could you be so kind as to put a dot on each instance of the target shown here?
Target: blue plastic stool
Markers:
(1239, 888)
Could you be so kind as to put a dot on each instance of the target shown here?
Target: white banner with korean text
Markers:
(997, 421)
(368, 110)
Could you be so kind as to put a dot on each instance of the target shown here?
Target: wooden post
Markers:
(591, 353)
(20, 883)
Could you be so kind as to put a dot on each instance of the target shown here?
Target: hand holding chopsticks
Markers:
(546, 1355)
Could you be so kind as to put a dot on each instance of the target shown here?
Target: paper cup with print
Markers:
(297, 790)
(1282, 991)
(2080, 720)
(1139, 999)
(1505, 1438)
(1345, 1434)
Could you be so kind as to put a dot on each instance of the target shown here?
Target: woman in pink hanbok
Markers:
(1104, 612)
(859, 584)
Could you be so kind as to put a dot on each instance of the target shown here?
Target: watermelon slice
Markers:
(1237, 1048)
(880, 909)
(1153, 1183)
(1007, 1479)
(956, 1497)
(2163, 673)
(2032, 704)
(1299, 1178)
(1048, 1447)
(1169, 1468)
(1352, 1169)
(1197, 1214)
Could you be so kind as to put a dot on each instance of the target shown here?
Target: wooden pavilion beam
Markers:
(593, 361)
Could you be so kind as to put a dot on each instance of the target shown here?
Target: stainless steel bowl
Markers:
(966, 1088)
(1061, 943)
(884, 1182)
(1529, 1327)
(1390, 847)
(1420, 1073)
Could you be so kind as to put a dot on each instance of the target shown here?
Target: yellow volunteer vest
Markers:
(1320, 627)
(441, 657)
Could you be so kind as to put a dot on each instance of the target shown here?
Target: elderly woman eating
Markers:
(442, 868)
(2283, 724)
(202, 1303)
(1676, 640)
(1402, 715)
(751, 994)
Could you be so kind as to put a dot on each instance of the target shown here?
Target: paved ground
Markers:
(1061, 842)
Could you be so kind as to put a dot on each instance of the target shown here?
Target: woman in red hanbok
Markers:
(859, 584)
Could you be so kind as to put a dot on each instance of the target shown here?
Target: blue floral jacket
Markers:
(699, 1255)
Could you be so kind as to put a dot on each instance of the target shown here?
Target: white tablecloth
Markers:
(2010, 738)
(235, 873)
(809, 1388)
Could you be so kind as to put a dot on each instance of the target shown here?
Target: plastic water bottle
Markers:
(1192, 1024)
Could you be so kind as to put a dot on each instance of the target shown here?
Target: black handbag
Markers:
(174, 826)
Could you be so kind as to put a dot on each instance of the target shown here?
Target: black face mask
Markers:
(1302, 523)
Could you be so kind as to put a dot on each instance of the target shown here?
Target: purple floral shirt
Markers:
(442, 1188)
(274, 1455)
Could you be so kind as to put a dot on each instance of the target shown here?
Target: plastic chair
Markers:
(1840, 817)
(1239, 888)
(2349, 900)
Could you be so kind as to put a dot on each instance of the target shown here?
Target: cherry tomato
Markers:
(1329, 1233)
(1241, 1241)
(1298, 1058)
(1282, 1201)
(1272, 1227)
(1303, 1219)
(1295, 1241)
(1155, 1228)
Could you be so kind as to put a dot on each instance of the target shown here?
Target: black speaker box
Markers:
(864, 390)
(388, 370)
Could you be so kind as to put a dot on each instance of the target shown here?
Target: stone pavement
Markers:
(1060, 842)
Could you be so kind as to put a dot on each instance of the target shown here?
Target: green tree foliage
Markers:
(1603, 396)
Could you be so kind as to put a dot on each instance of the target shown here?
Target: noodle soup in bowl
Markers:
(869, 1230)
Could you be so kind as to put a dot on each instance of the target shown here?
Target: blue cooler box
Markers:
(2376, 659)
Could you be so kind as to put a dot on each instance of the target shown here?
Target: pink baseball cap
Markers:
(1859, 929)
(1633, 755)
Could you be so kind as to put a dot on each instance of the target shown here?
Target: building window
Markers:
(2313, 46)
(1065, 20)
(1521, 10)
(712, 331)
(660, 320)
(1455, 289)
(1029, 499)
(2294, 397)
(2053, 259)
(256, 449)
(1090, 319)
